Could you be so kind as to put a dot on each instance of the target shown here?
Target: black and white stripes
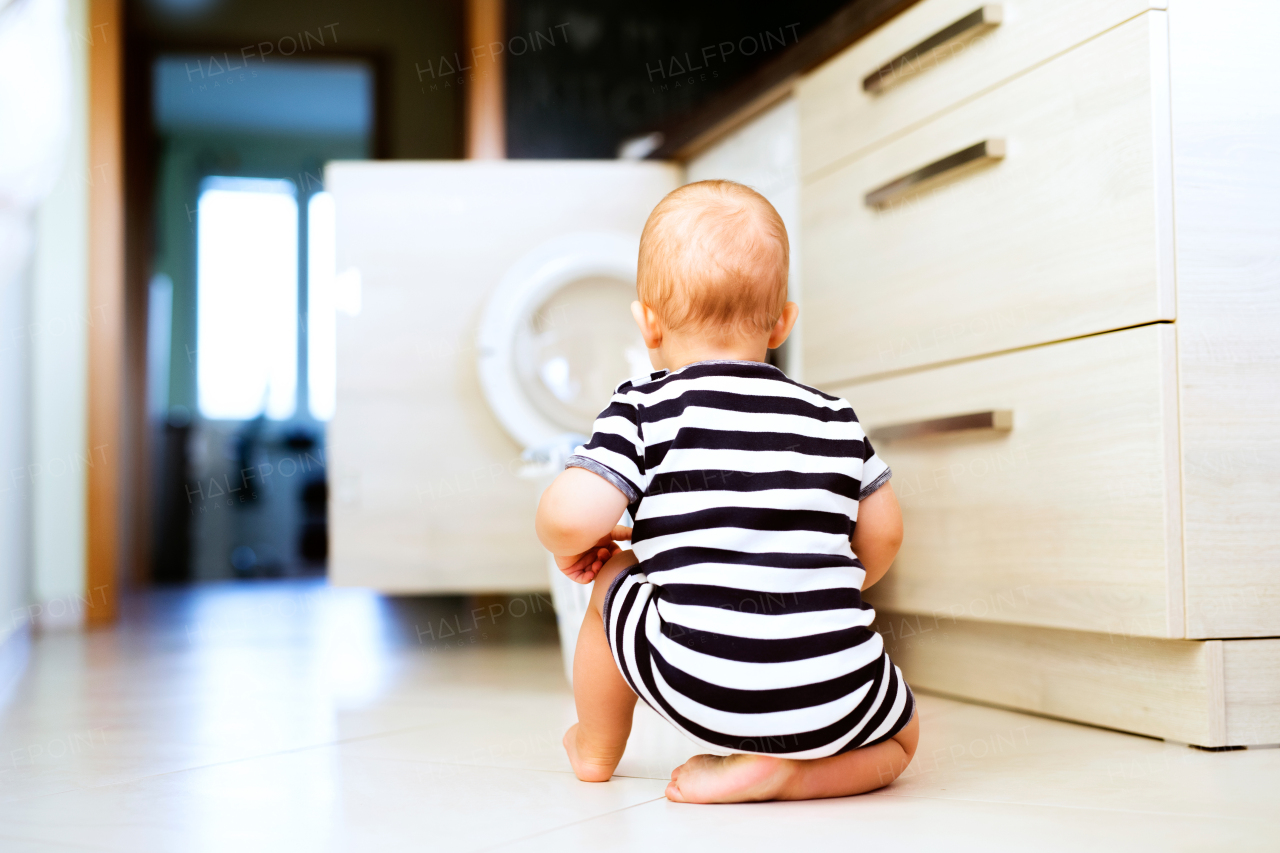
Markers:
(743, 622)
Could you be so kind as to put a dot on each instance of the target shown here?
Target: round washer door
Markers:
(556, 336)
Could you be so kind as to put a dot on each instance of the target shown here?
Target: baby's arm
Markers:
(878, 533)
(578, 522)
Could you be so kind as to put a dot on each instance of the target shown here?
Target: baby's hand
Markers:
(582, 568)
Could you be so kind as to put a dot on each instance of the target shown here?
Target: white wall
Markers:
(764, 154)
(43, 230)
(15, 241)
(59, 326)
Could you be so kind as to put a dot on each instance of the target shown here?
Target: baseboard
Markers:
(1210, 693)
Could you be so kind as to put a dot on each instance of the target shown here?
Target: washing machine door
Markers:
(556, 336)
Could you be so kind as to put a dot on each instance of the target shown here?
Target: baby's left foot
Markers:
(588, 764)
(731, 779)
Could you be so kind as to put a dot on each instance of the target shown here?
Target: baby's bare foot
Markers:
(731, 779)
(588, 764)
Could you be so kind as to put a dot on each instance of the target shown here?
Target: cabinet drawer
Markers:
(1071, 233)
(1070, 519)
(840, 118)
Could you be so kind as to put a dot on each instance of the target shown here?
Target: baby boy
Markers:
(760, 513)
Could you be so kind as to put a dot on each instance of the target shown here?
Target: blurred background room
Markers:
(302, 305)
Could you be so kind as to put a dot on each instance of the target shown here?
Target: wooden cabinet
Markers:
(1106, 294)
(1070, 233)
(841, 120)
(1068, 518)
(1226, 125)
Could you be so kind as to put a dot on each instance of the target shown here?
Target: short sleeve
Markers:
(616, 448)
(875, 473)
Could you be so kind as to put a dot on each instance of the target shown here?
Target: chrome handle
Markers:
(986, 150)
(996, 420)
(909, 61)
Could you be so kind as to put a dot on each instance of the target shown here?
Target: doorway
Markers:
(240, 342)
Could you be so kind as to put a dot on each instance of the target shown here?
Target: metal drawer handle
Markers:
(986, 150)
(979, 19)
(996, 420)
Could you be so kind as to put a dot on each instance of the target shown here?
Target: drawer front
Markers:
(1071, 233)
(1070, 519)
(841, 119)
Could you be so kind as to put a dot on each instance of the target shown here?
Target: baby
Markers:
(761, 512)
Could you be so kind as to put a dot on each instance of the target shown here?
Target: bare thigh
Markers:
(617, 564)
(909, 737)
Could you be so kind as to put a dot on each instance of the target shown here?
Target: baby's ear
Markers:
(786, 322)
(647, 321)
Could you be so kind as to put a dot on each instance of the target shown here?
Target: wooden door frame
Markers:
(106, 300)
(485, 104)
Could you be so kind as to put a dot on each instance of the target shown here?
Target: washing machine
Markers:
(491, 324)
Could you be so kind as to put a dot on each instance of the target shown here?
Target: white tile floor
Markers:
(295, 717)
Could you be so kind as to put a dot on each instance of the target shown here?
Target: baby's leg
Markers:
(747, 778)
(604, 699)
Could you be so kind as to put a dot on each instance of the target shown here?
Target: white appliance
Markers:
(492, 325)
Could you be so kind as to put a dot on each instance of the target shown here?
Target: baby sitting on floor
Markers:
(761, 512)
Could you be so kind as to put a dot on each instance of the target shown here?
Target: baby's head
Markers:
(713, 270)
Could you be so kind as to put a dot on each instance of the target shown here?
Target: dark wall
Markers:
(606, 70)
(596, 73)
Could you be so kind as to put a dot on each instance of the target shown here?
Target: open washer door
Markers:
(556, 336)
(493, 318)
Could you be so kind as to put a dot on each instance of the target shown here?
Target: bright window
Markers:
(321, 324)
(247, 298)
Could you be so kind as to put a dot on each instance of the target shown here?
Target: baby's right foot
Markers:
(588, 763)
(730, 779)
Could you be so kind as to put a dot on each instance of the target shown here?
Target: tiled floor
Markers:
(295, 717)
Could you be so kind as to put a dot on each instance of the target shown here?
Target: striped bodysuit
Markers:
(743, 622)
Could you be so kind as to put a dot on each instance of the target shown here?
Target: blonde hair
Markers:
(713, 259)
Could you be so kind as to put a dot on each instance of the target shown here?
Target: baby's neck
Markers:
(675, 354)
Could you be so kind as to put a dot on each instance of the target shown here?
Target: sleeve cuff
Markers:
(874, 484)
(620, 482)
